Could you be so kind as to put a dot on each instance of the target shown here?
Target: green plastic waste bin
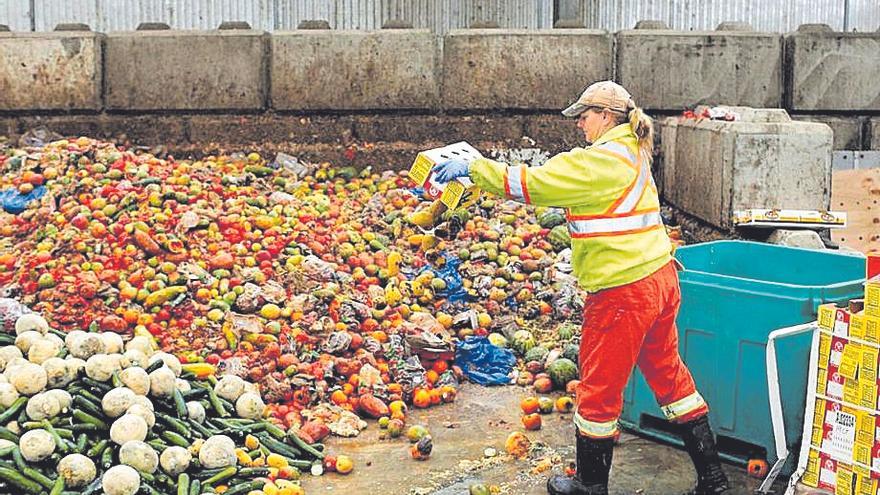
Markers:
(734, 294)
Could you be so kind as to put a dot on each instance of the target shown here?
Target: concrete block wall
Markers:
(670, 70)
(850, 132)
(830, 71)
(407, 85)
(713, 168)
(185, 70)
(517, 69)
(50, 71)
(354, 70)
(477, 69)
(874, 136)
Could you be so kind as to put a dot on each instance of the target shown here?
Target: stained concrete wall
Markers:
(849, 132)
(466, 70)
(185, 70)
(520, 69)
(50, 71)
(354, 70)
(671, 70)
(830, 71)
(874, 137)
(488, 84)
(712, 168)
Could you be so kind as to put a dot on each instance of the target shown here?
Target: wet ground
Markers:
(482, 418)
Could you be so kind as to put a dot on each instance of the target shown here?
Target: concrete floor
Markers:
(483, 417)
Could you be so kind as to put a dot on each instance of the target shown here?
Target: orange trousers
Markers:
(631, 325)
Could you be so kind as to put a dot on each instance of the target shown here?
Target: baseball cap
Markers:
(603, 94)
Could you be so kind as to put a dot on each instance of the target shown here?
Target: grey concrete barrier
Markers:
(520, 69)
(875, 135)
(672, 70)
(354, 70)
(712, 168)
(50, 71)
(847, 131)
(830, 71)
(185, 70)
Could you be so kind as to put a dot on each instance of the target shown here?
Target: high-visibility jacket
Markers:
(612, 206)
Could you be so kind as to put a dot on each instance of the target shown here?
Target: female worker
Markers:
(622, 258)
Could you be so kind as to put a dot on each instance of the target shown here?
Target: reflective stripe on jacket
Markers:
(612, 206)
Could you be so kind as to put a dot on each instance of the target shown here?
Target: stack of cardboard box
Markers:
(844, 454)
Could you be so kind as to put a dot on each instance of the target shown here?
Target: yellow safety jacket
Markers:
(613, 212)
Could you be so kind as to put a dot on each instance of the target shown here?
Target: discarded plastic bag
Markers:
(483, 363)
(454, 291)
(15, 202)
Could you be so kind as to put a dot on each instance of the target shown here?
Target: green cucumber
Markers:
(38, 477)
(224, 474)
(58, 487)
(89, 419)
(183, 484)
(215, 403)
(179, 404)
(245, 487)
(97, 449)
(175, 439)
(14, 409)
(305, 447)
(20, 481)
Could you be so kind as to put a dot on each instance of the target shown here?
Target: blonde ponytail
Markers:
(643, 128)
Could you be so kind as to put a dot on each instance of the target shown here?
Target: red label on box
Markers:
(873, 265)
(834, 389)
(841, 322)
(827, 472)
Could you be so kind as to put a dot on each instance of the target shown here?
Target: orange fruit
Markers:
(130, 316)
(440, 366)
(532, 421)
(436, 397)
(564, 404)
(338, 397)
(530, 405)
(432, 376)
(422, 398)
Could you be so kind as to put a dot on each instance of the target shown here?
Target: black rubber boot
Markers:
(700, 445)
(593, 466)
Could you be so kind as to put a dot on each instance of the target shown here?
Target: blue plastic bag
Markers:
(483, 363)
(454, 291)
(15, 202)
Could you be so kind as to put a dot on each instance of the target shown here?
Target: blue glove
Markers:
(450, 170)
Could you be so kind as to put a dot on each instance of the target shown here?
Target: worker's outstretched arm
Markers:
(574, 178)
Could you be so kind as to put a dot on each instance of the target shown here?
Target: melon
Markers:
(523, 341)
(536, 354)
(567, 331)
(562, 371)
(571, 352)
(497, 340)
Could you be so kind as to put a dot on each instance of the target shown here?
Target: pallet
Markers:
(857, 192)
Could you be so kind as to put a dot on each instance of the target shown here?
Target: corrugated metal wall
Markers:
(16, 14)
(763, 15)
(437, 15)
